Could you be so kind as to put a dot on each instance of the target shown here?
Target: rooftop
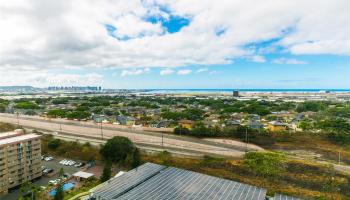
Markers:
(284, 197)
(82, 174)
(9, 134)
(152, 181)
(18, 139)
(276, 123)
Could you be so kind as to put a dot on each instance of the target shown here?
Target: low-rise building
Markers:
(276, 126)
(126, 120)
(184, 123)
(254, 124)
(20, 159)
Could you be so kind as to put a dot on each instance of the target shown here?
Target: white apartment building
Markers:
(20, 159)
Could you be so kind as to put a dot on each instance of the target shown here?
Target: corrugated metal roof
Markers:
(117, 186)
(284, 197)
(173, 183)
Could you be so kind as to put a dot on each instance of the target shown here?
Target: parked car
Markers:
(67, 175)
(47, 171)
(49, 158)
(62, 161)
(79, 164)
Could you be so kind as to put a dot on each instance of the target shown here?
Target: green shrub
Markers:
(265, 163)
(54, 144)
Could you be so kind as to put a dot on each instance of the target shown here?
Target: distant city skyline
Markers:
(163, 44)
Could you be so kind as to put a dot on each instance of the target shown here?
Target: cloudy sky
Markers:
(176, 43)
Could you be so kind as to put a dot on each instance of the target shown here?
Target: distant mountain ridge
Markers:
(19, 89)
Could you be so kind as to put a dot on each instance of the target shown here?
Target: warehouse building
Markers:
(20, 159)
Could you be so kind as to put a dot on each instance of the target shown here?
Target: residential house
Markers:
(99, 118)
(276, 126)
(232, 123)
(126, 120)
(254, 124)
(184, 123)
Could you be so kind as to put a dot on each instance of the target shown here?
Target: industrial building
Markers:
(152, 181)
(20, 159)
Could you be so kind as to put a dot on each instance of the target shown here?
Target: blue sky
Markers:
(319, 71)
(176, 44)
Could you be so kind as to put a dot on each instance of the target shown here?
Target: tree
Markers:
(134, 158)
(265, 163)
(26, 105)
(2, 108)
(59, 195)
(306, 124)
(107, 172)
(57, 113)
(29, 191)
(182, 131)
(61, 172)
(117, 149)
(193, 114)
(338, 129)
(54, 143)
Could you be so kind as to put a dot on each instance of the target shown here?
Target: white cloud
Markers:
(166, 72)
(49, 35)
(134, 72)
(202, 70)
(184, 72)
(258, 59)
(45, 78)
(288, 61)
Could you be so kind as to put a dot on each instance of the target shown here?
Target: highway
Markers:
(145, 140)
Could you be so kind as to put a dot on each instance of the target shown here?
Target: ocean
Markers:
(181, 91)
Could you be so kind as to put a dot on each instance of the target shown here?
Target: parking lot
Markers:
(53, 164)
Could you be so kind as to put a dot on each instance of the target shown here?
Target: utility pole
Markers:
(246, 140)
(162, 140)
(101, 131)
(60, 128)
(17, 118)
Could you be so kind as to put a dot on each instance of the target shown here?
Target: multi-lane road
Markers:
(89, 131)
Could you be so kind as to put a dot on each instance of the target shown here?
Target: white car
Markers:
(53, 182)
(62, 161)
(72, 163)
(48, 158)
